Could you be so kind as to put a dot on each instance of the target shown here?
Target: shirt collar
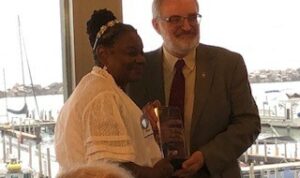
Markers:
(170, 60)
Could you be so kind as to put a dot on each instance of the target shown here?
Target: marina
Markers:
(27, 142)
(280, 159)
(33, 160)
(285, 114)
(265, 158)
(276, 153)
(265, 34)
(30, 131)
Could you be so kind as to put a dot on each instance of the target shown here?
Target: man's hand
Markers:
(191, 165)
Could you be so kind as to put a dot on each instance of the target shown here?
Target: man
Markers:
(220, 115)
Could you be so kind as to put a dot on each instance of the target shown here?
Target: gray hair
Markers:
(156, 7)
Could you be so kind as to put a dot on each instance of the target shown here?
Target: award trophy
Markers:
(171, 135)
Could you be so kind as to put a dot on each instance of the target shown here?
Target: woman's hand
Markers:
(163, 169)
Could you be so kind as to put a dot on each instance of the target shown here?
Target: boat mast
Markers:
(5, 95)
(23, 46)
(21, 57)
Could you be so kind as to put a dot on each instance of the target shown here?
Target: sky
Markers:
(40, 28)
(265, 32)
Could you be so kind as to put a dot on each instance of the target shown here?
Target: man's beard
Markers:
(185, 45)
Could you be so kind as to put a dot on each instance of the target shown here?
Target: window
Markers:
(267, 34)
(30, 80)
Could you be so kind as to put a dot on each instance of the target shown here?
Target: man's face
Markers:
(179, 38)
(126, 58)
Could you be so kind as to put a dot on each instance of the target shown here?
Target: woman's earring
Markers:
(104, 68)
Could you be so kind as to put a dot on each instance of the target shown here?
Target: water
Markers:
(54, 102)
(46, 103)
(292, 132)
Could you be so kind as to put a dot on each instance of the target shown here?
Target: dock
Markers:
(268, 158)
(37, 158)
(284, 170)
(280, 122)
(27, 141)
(30, 131)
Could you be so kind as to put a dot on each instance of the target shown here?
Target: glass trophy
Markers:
(171, 135)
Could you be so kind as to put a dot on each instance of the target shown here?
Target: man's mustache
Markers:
(183, 32)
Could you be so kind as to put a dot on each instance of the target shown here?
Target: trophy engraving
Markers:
(171, 135)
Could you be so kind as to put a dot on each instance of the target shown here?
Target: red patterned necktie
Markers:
(178, 87)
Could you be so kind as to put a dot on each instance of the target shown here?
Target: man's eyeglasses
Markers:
(193, 19)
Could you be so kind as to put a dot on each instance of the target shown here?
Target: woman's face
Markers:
(125, 60)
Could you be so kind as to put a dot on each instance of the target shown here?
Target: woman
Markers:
(99, 121)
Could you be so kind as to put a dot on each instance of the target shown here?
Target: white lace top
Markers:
(100, 122)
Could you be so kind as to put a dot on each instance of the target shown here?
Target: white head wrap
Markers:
(103, 28)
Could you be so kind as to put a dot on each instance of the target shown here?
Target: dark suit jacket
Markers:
(225, 119)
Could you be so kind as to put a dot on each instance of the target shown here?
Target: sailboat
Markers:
(23, 54)
(23, 110)
(28, 128)
(23, 125)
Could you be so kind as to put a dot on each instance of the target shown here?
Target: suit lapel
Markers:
(204, 76)
(155, 81)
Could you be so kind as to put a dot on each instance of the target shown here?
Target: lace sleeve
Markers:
(105, 134)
